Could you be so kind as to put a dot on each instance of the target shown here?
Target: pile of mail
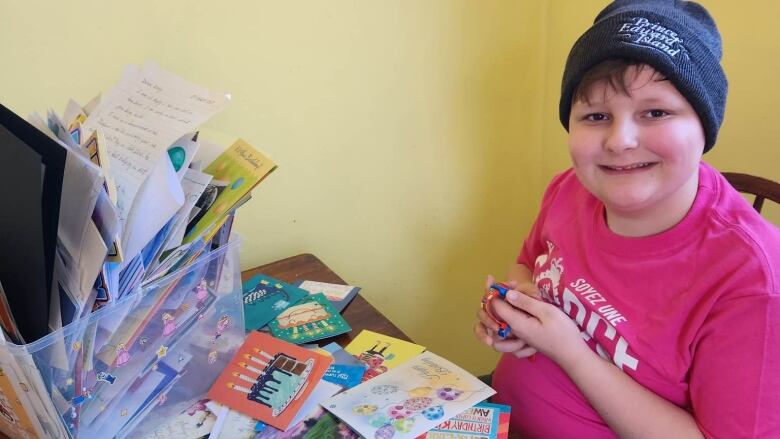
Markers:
(117, 213)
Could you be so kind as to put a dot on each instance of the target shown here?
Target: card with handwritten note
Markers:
(141, 117)
(409, 399)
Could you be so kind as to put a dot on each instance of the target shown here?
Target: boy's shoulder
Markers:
(735, 227)
(565, 183)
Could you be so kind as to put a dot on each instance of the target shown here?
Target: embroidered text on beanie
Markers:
(677, 38)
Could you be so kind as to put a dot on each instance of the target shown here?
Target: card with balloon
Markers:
(241, 167)
(410, 399)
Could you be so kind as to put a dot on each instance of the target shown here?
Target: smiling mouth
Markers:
(627, 168)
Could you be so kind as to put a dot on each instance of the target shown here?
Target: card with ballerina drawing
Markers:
(269, 379)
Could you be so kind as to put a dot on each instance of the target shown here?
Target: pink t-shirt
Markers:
(692, 313)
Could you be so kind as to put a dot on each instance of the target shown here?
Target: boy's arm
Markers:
(630, 409)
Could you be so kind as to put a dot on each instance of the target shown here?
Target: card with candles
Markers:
(269, 379)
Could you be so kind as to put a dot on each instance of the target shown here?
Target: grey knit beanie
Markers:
(677, 38)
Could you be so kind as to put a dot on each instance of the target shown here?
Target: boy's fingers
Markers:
(525, 302)
(486, 321)
(509, 345)
(490, 281)
(525, 352)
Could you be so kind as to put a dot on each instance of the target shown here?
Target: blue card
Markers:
(345, 375)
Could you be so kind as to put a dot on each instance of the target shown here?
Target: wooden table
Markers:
(359, 313)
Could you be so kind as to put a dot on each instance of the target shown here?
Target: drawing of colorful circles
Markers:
(418, 403)
(433, 413)
(177, 155)
(398, 411)
(364, 409)
(378, 420)
(385, 432)
(404, 425)
(420, 391)
(448, 393)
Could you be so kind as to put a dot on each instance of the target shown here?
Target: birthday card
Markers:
(410, 399)
(339, 295)
(313, 318)
(265, 298)
(269, 379)
(484, 420)
(380, 353)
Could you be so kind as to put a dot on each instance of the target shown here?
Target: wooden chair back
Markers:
(762, 188)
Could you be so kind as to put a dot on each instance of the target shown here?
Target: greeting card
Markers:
(484, 420)
(409, 399)
(265, 298)
(380, 352)
(339, 295)
(313, 318)
(269, 379)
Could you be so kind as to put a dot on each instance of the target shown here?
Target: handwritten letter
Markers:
(147, 111)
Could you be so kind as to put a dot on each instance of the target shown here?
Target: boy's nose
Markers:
(623, 134)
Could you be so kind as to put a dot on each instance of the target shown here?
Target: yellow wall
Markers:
(413, 138)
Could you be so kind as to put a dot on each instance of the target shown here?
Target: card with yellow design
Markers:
(312, 318)
(381, 352)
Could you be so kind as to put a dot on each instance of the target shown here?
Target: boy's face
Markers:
(638, 154)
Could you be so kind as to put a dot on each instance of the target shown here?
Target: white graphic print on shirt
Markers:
(597, 322)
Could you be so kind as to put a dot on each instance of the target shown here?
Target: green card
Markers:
(313, 318)
(266, 297)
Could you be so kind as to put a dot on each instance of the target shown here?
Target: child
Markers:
(658, 283)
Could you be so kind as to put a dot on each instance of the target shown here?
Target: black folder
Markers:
(32, 166)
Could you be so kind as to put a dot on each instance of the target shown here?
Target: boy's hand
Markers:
(543, 326)
(486, 329)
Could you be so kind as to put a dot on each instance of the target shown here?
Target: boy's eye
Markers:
(596, 117)
(656, 114)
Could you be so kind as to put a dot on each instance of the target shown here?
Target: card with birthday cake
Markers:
(312, 318)
(410, 399)
(269, 379)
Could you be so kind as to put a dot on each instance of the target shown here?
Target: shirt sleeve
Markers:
(534, 244)
(735, 375)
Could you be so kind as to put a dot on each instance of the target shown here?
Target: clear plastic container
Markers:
(138, 362)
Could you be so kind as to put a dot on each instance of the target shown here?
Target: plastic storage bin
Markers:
(128, 367)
